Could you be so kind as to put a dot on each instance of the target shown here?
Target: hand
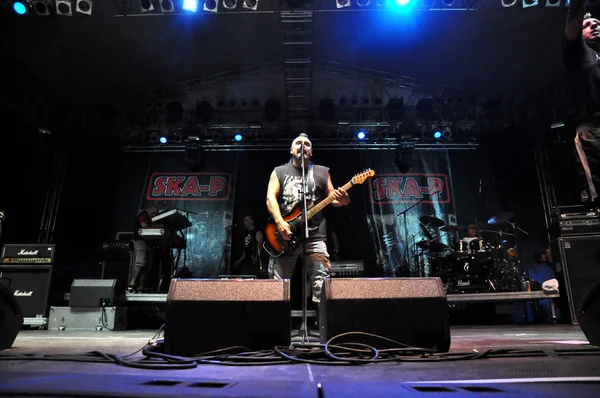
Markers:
(341, 196)
(284, 230)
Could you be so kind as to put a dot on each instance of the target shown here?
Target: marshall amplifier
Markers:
(30, 284)
(28, 254)
(579, 226)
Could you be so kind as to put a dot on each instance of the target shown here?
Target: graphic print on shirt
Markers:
(292, 188)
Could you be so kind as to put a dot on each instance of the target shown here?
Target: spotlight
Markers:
(238, 137)
(448, 3)
(210, 5)
(146, 5)
(251, 4)
(342, 3)
(162, 140)
(363, 3)
(84, 7)
(530, 3)
(508, 3)
(167, 6)
(447, 133)
(63, 7)
(230, 4)
(41, 8)
(190, 5)
(402, 2)
(361, 135)
(19, 8)
(437, 134)
(553, 3)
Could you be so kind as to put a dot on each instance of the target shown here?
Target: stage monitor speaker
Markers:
(95, 293)
(412, 311)
(580, 260)
(11, 319)
(589, 315)
(208, 314)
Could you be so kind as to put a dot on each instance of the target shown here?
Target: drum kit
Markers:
(483, 261)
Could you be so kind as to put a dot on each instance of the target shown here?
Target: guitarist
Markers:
(284, 193)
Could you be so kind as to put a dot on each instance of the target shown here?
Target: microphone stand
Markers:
(403, 213)
(304, 332)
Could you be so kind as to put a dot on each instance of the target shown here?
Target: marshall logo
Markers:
(24, 252)
(463, 283)
(19, 293)
(189, 186)
(410, 188)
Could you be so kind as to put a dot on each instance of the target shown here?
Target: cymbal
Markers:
(432, 221)
(501, 218)
(452, 228)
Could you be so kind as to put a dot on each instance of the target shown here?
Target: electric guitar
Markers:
(294, 218)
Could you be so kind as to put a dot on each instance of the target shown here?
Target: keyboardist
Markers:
(143, 251)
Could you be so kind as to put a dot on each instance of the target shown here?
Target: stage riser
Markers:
(90, 318)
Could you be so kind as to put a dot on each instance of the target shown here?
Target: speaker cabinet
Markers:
(412, 311)
(580, 259)
(94, 292)
(208, 314)
(11, 319)
(30, 284)
(589, 315)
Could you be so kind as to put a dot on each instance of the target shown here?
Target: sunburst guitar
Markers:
(279, 246)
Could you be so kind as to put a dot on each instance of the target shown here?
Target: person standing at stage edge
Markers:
(284, 193)
(582, 61)
(143, 252)
(250, 262)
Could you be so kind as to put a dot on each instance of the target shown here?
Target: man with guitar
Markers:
(581, 55)
(284, 195)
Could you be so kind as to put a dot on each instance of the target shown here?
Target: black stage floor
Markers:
(550, 361)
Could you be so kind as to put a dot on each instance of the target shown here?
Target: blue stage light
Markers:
(361, 135)
(190, 5)
(402, 2)
(19, 8)
(238, 137)
(437, 134)
(163, 140)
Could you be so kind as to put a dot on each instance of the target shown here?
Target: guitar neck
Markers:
(325, 202)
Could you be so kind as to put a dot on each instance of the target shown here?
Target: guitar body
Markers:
(278, 245)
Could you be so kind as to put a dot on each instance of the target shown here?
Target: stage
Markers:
(530, 360)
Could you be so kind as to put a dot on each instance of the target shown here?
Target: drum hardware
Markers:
(431, 221)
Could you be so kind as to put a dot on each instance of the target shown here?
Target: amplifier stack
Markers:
(26, 270)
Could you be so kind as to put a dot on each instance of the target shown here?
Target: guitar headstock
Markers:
(362, 177)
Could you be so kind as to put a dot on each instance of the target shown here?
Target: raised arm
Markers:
(575, 19)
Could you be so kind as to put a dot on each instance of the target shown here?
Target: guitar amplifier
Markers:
(347, 268)
(30, 284)
(27, 254)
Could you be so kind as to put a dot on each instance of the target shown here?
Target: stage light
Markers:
(230, 4)
(162, 140)
(210, 5)
(19, 8)
(361, 135)
(448, 3)
(382, 3)
(84, 7)
(190, 5)
(402, 2)
(63, 7)
(146, 5)
(251, 4)
(41, 8)
(238, 137)
(447, 133)
(437, 134)
(167, 6)
(530, 3)
(363, 3)
(508, 3)
(342, 3)
(553, 3)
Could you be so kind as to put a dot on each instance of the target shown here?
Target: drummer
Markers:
(471, 234)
